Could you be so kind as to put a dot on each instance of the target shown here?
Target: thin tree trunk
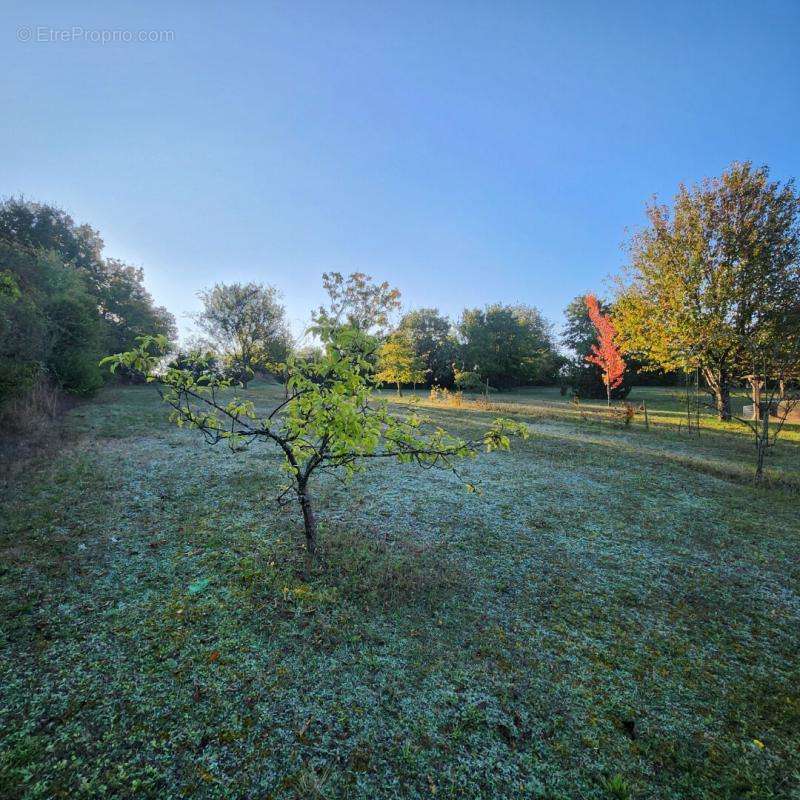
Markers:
(724, 400)
(759, 461)
(608, 392)
(310, 525)
(399, 390)
(755, 383)
(762, 443)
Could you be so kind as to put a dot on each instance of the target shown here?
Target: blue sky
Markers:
(467, 152)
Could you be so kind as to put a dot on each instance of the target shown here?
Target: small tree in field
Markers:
(775, 372)
(605, 354)
(398, 363)
(329, 420)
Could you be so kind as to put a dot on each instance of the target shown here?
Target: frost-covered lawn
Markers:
(616, 615)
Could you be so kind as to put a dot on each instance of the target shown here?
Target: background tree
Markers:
(578, 336)
(357, 301)
(605, 353)
(398, 363)
(246, 323)
(128, 308)
(39, 227)
(431, 336)
(508, 345)
(718, 272)
(330, 419)
(585, 379)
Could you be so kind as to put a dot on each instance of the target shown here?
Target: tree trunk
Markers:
(723, 398)
(759, 460)
(762, 443)
(399, 390)
(608, 392)
(756, 385)
(719, 386)
(310, 525)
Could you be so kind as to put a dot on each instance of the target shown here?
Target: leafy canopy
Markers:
(714, 276)
(246, 322)
(398, 363)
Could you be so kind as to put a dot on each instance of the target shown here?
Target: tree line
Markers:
(712, 288)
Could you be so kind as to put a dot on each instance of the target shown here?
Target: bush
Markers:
(77, 372)
(468, 381)
(586, 382)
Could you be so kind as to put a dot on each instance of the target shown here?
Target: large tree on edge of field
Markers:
(88, 305)
(712, 276)
(246, 323)
(128, 308)
(329, 420)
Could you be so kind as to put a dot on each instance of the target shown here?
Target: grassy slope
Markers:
(616, 615)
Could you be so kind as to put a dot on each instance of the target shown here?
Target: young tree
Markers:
(579, 336)
(774, 380)
(398, 363)
(245, 322)
(329, 421)
(605, 354)
(719, 271)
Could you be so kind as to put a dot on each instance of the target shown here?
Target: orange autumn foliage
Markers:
(605, 354)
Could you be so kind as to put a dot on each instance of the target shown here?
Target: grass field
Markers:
(615, 615)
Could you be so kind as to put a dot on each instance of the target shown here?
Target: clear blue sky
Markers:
(468, 152)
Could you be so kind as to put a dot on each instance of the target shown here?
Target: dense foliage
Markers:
(508, 345)
(62, 305)
(398, 363)
(432, 337)
(715, 280)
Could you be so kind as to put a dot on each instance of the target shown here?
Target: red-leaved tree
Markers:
(605, 354)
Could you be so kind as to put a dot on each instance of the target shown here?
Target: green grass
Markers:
(616, 615)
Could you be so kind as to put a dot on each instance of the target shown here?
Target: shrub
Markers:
(468, 381)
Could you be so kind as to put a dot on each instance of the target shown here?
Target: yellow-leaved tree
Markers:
(714, 281)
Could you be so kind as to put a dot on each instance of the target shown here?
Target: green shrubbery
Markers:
(62, 305)
(468, 381)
